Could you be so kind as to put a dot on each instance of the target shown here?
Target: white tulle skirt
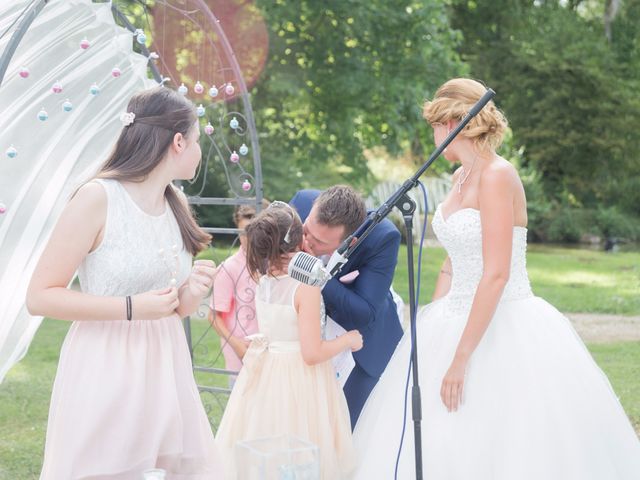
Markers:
(125, 400)
(536, 405)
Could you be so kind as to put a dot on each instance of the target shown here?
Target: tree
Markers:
(568, 98)
(344, 76)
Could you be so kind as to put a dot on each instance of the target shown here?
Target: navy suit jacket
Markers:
(365, 304)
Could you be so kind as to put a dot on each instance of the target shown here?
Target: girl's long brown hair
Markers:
(160, 113)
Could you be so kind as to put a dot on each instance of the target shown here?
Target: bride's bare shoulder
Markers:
(499, 172)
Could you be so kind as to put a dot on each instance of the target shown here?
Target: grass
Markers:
(26, 391)
(576, 280)
(621, 363)
(24, 404)
(571, 279)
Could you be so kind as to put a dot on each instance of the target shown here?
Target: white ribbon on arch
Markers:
(56, 155)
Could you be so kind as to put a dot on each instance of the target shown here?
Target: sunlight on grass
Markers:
(575, 277)
(573, 280)
(20, 374)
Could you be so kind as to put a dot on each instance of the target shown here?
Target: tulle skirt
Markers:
(536, 405)
(276, 394)
(125, 400)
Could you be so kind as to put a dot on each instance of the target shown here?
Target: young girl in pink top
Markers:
(233, 314)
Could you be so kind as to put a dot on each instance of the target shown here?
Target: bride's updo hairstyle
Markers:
(454, 99)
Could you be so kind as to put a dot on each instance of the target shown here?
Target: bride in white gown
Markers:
(509, 391)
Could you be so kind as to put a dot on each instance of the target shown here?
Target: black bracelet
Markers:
(129, 309)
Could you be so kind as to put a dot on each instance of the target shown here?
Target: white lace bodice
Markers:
(128, 261)
(461, 236)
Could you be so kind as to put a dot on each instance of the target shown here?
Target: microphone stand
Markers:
(407, 206)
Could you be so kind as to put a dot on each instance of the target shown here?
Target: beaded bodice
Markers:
(461, 236)
(138, 252)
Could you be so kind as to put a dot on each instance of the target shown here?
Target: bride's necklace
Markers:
(464, 175)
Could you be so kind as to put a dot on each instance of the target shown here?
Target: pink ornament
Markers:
(246, 185)
(116, 72)
(3, 208)
(84, 44)
(57, 87)
(208, 129)
(198, 88)
(229, 89)
(24, 72)
(234, 158)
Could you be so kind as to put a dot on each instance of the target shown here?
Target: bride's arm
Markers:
(443, 283)
(495, 197)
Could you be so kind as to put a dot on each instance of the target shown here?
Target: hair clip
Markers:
(278, 203)
(127, 118)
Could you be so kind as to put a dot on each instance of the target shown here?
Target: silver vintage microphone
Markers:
(308, 269)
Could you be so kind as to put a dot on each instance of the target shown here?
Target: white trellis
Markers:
(437, 189)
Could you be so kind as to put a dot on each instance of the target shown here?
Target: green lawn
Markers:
(621, 363)
(577, 280)
(25, 394)
(573, 280)
(24, 404)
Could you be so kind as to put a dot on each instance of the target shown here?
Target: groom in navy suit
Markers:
(364, 302)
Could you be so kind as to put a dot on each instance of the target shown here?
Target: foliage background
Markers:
(339, 99)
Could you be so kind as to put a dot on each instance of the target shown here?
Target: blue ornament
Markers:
(213, 92)
(12, 152)
(200, 110)
(43, 115)
(141, 38)
(95, 89)
(182, 89)
(234, 123)
(67, 106)
(243, 149)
